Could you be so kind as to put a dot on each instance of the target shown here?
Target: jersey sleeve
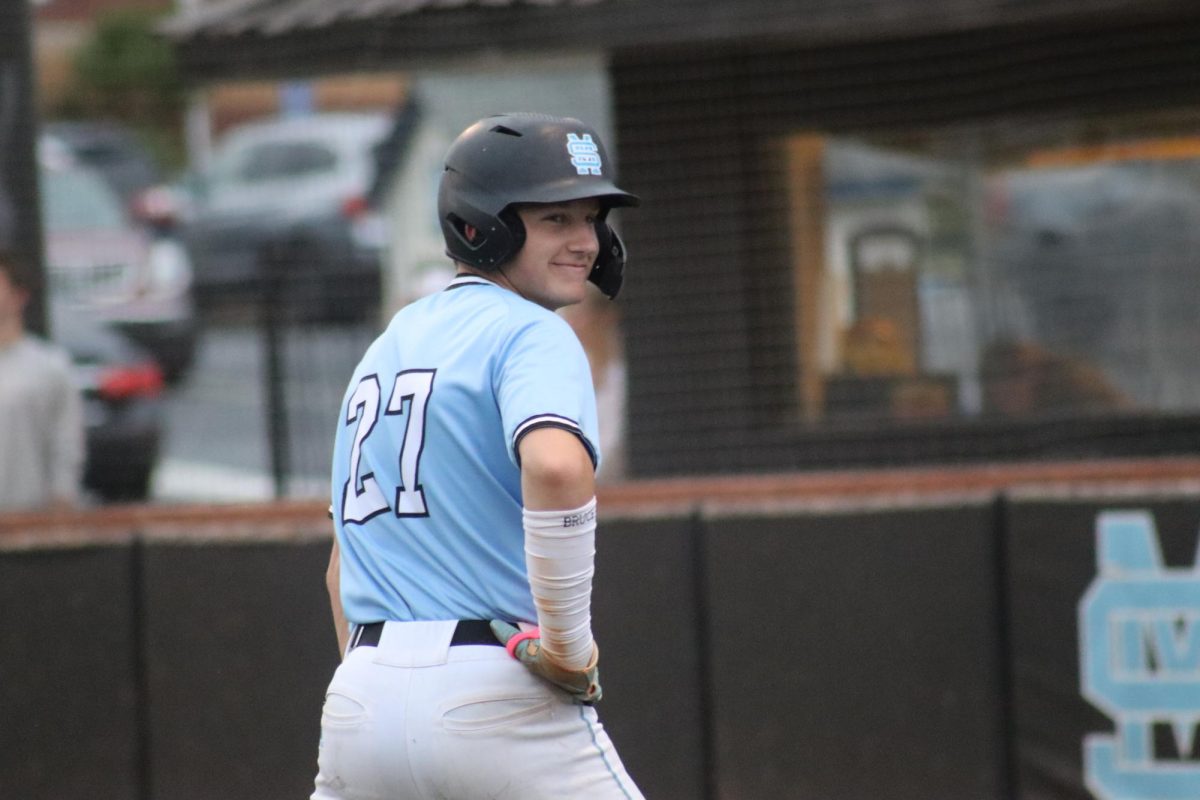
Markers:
(543, 380)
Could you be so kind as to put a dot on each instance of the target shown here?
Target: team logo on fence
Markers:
(1139, 647)
(585, 155)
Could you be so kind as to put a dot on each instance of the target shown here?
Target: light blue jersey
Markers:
(426, 479)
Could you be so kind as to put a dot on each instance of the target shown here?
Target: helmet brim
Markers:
(609, 195)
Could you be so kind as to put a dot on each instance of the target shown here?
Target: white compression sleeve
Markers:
(560, 551)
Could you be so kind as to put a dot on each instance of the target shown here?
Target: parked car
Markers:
(122, 387)
(298, 185)
(100, 259)
(112, 150)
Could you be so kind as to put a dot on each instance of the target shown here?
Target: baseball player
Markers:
(463, 497)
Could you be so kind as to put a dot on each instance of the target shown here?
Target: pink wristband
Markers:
(511, 647)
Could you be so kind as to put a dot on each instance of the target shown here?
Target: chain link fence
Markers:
(894, 251)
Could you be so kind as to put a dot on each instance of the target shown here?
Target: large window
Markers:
(986, 274)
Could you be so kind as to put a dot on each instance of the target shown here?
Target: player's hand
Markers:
(582, 684)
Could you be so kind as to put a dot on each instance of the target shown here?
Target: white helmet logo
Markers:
(585, 156)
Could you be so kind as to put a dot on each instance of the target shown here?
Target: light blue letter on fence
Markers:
(1139, 658)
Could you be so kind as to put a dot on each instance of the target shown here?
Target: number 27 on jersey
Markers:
(362, 496)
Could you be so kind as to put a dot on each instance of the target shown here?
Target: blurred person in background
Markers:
(41, 411)
(596, 322)
(1024, 378)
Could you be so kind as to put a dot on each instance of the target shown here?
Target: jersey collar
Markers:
(467, 279)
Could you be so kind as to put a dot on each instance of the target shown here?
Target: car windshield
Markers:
(74, 200)
(272, 161)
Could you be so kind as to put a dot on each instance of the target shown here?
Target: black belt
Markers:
(468, 631)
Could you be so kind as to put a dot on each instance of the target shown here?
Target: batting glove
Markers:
(526, 646)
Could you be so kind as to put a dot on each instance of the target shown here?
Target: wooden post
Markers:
(803, 157)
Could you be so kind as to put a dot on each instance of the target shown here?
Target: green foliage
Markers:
(126, 63)
(125, 71)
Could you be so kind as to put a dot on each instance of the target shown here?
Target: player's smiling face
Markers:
(560, 248)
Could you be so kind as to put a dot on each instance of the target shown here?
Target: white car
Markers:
(303, 182)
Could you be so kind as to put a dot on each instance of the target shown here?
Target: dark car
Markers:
(122, 387)
(296, 187)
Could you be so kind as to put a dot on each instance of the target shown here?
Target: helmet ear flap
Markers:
(510, 220)
(608, 273)
(465, 234)
(480, 242)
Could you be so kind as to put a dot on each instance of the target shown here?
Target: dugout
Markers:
(890, 233)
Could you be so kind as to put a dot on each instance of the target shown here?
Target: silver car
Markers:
(291, 189)
(99, 259)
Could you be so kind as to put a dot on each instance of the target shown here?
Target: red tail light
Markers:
(156, 206)
(122, 383)
(355, 207)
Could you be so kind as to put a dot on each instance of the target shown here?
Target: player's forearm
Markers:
(559, 556)
(333, 583)
(558, 488)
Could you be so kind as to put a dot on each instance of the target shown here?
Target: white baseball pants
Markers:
(416, 719)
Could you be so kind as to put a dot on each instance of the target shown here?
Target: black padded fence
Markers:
(856, 655)
(649, 622)
(239, 646)
(72, 698)
(1054, 562)
(896, 650)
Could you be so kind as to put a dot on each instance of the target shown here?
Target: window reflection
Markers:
(1013, 281)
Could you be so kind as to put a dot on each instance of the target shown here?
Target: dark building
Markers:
(853, 212)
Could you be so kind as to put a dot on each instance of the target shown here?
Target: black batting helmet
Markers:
(508, 159)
